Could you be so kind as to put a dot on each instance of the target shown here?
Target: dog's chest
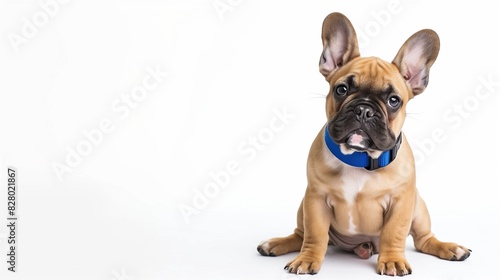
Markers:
(357, 197)
(352, 182)
(357, 203)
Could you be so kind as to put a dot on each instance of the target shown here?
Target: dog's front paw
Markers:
(304, 264)
(393, 266)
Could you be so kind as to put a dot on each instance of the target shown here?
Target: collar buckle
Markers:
(386, 157)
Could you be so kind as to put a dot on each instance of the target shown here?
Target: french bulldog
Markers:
(361, 194)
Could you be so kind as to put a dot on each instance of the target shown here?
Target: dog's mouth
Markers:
(361, 139)
(358, 140)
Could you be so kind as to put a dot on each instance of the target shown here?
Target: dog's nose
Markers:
(364, 112)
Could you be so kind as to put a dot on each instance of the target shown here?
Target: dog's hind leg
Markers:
(283, 245)
(280, 245)
(425, 241)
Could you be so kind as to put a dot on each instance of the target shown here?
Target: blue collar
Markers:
(362, 159)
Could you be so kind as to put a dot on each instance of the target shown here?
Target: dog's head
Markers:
(368, 96)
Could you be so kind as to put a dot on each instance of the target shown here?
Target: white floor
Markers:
(232, 255)
(223, 246)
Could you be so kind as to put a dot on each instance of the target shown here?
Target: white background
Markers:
(117, 214)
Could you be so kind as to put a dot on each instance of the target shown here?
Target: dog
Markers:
(361, 194)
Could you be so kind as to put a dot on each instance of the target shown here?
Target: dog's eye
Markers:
(341, 90)
(394, 101)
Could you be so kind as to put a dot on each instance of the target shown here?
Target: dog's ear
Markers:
(416, 57)
(340, 44)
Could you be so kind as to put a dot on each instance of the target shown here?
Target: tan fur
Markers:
(354, 203)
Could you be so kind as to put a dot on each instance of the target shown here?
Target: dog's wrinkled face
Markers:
(366, 105)
(368, 96)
